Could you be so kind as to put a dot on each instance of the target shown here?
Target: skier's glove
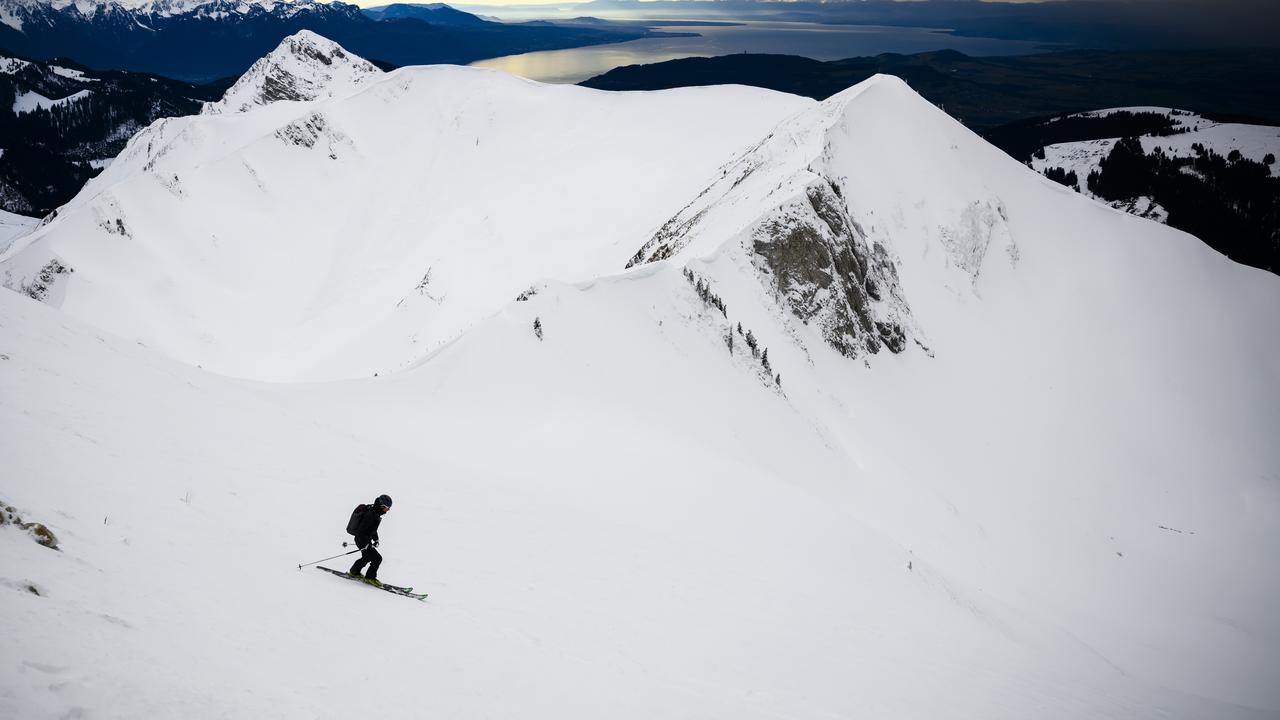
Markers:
(375, 543)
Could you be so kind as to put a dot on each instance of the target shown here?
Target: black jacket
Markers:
(367, 526)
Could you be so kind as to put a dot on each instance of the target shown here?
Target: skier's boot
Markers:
(355, 574)
(373, 581)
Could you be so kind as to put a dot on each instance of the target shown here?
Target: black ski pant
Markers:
(369, 555)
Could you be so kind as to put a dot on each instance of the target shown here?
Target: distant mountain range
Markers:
(436, 13)
(201, 40)
(1109, 24)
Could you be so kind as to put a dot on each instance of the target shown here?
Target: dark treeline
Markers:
(1028, 138)
(91, 119)
(47, 151)
(1062, 177)
(987, 92)
(1232, 203)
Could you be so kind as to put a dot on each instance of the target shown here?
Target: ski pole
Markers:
(330, 558)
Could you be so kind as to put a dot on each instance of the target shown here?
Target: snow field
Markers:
(627, 566)
(1066, 510)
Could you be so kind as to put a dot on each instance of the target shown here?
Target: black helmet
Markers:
(383, 501)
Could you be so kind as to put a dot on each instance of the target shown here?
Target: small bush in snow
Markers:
(37, 531)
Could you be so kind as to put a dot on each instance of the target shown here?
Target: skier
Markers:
(366, 532)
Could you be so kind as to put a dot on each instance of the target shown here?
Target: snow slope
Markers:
(371, 228)
(732, 570)
(1055, 498)
(12, 225)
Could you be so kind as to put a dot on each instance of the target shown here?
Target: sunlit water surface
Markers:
(820, 42)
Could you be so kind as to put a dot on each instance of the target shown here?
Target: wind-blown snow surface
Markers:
(1069, 510)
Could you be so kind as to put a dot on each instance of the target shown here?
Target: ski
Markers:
(393, 589)
(401, 588)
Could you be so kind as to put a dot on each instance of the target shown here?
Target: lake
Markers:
(812, 40)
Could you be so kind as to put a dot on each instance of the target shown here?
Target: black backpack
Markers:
(356, 514)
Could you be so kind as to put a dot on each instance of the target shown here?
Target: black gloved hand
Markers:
(375, 543)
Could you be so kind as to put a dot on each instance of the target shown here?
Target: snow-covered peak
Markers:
(305, 66)
(778, 167)
(782, 206)
(15, 13)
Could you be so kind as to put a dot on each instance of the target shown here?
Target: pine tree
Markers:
(537, 327)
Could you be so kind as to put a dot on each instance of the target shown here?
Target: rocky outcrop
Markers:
(821, 265)
(778, 202)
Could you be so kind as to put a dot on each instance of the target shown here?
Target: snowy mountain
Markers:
(712, 402)
(22, 15)
(304, 67)
(437, 13)
(380, 198)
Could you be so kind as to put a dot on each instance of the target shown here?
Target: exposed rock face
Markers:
(779, 203)
(305, 66)
(314, 130)
(821, 264)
